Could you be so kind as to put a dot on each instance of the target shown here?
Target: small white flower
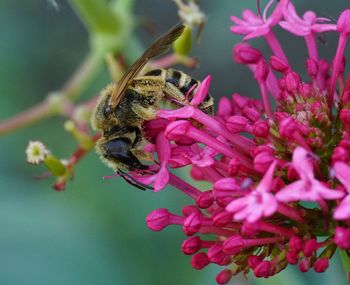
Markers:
(36, 152)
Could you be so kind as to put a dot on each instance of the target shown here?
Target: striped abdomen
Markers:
(185, 86)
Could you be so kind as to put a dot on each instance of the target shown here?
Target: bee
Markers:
(124, 106)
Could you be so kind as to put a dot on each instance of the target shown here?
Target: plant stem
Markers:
(97, 16)
(345, 258)
(56, 102)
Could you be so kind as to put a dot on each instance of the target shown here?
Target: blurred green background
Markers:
(94, 232)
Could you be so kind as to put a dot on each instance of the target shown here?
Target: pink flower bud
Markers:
(233, 245)
(292, 257)
(292, 81)
(279, 116)
(158, 219)
(261, 129)
(321, 265)
(225, 108)
(262, 161)
(254, 261)
(288, 127)
(311, 67)
(282, 84)
(237, 124)
(216, 255)
(205, 200)
(192, 224)
(239, 101)
(311, 246)
(343, 23)
(278, 64)
(251, 113)
(339, 154)
(345, 117)
(264, 269)
(304, 265)
(296, 244)
(234, 166)
(222, 219)
(245, 54)
(342, 237)
(199, 260)
(261, 71)
(224, 277)
(191, 245)
(305, 90)
(190, 209)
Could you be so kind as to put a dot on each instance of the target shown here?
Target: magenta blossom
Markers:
(261, 162)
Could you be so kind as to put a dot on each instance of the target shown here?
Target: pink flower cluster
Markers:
(279, 178)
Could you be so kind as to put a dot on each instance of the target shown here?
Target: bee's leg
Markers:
(173, 93)
(132, 181)
(146, 113)
(140, 154)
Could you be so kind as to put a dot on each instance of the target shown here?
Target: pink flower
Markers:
(258, 203)
(342, 172)
(253, 25)
(309, 23)
(260, 161)
(307, 188)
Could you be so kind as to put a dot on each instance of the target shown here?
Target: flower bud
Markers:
(311, 67)
(158, 219)
(245, 54)
(254, 261)
(278, 64)
(217, 255)
(55, 166)
(263, 269)
(199, 260)
(345, 117)
(191, 245)
(224, 277)
(192, 224)
(183, 45)
(237, 124)
(205, 200)
(321, 264)
(292, 81)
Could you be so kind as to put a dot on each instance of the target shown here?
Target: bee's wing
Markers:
(158, 47)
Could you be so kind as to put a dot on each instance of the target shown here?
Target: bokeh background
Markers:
(94, 232)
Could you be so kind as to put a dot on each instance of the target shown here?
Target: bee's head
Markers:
(102, 117)
(116, 152)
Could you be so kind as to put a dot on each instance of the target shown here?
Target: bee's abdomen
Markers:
(184, 84)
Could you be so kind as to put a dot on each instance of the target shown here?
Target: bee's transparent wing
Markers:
(157, 48)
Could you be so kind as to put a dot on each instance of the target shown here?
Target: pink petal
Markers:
(266, 182)
(202, 91)
(302, 164)
(342, 212)
(342, 172)
(184, 112)
(291, 192)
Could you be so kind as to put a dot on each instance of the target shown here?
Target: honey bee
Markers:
(124, 106)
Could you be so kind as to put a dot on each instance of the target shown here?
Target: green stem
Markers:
(345, 258)
(97, 16)
(56, 102)
(86, 72)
